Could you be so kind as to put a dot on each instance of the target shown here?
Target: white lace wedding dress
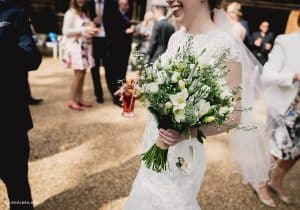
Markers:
(173, 189)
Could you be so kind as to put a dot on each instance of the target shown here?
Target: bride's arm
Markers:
(234, 79)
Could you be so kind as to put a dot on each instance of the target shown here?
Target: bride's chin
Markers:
(179, 19)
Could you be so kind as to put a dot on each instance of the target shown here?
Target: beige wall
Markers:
(292, 24)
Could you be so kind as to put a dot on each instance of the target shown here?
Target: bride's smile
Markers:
(177, 8)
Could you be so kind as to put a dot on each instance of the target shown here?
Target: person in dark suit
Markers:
(19, 55)
(100, 51)
(119, 33)
(262, 42)
(161, 32)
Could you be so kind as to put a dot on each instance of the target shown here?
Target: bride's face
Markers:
(184, 10)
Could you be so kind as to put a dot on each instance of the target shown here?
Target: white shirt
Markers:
(101, 33)
(161, 18)
(279, 71)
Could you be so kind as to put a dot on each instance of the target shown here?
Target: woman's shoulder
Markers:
(70, 12)
(224, 41)
(177, 35)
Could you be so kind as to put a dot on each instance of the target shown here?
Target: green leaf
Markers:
(200, 136)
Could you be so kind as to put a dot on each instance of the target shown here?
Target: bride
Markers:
(177, 190)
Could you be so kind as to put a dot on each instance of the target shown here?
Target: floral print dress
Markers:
(284, 145)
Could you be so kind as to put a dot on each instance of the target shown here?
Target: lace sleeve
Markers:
(234, 52)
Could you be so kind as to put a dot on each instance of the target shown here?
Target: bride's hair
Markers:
(299, 19)
(214, 4)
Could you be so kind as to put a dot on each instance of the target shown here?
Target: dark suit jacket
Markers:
(261, 52)
(269, 38)
(18, 54)
(161, 34)
(92, 9)
(115, 25)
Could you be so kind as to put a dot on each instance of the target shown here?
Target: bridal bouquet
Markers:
(184, 92)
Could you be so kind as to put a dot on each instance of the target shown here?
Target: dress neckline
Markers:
(201, 34)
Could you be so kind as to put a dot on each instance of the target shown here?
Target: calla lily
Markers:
(179, 99)
(179, 114)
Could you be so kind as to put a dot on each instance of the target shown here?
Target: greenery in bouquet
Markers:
(185, 91)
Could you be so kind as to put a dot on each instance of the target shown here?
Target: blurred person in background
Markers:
(31, 99)
(143, 31)
(119, 31)
(25, 4)
(16, 44)
(262, 42)
(78, 31)
(100, 46)
(162, 30)
(235, 14)
(281, 75)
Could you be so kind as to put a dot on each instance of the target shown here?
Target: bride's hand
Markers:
(170, 137)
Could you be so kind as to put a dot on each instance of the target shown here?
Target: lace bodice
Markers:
(214, 42)
(173, 189)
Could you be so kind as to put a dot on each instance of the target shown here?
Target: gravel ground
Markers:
(88, 160)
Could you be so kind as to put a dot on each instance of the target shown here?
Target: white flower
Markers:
(179, 99)
(204, 91)
(161, 77)
(164, 62)
(175, 77)
(226, 93)
(192, 66)
(181, 84)
(202, 107)
(179, 114)
(222, 81)
(217, 72)
(223, 110)
(152, 87)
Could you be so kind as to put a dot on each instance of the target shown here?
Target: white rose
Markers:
(223, 111)
(175, 77)
(152, 87)
(202, 107)
(161, 77)
(226, 93)
(222, 81)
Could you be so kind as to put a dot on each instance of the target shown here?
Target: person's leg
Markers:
(31, 100)
(15, 173)
(80, 100)
(95, 71)
(264, 196)
(75, 85)
(279, 173)
(111, 70)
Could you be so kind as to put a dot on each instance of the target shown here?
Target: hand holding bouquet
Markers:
(186, 91)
